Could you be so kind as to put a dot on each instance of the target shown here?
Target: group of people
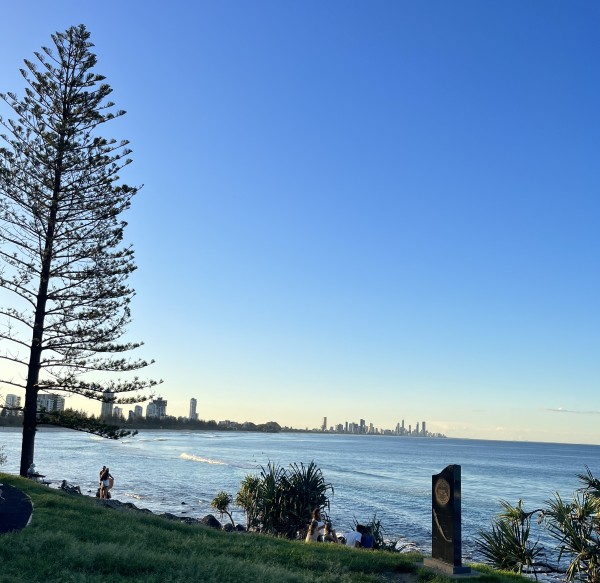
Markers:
(106, 483)
(322, 531)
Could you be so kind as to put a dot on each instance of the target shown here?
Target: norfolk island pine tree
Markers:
(61, 239)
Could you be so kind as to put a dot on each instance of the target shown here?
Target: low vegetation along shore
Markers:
(78, 539)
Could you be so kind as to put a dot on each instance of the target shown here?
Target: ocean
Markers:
(390, 477)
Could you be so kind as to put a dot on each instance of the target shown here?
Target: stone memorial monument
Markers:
(446, 536)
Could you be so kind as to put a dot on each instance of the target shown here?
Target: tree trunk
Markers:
(29, 423)
(35, 358)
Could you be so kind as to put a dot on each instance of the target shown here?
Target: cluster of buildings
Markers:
(420, 429)
(155, 409)
(45, 401)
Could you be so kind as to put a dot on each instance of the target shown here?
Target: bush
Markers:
(221, 504)
(280, 501)
(575, 526)
(507, 546)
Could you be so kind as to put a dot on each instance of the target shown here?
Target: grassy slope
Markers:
(75, 539)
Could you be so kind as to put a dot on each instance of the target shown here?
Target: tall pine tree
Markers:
(61, 238)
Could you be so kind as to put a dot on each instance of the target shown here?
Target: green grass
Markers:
(76, 539)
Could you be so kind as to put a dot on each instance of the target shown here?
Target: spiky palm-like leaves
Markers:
(280, 501)
(221, 503)
(576, 528)
(508, 546)
(60, 234)
(247, 499)
(307, 491)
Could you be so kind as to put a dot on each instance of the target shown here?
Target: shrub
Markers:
(507, 546)
(280, 501)
(575, 526)
(221, 503)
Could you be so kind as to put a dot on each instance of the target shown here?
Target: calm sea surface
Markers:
(180, 472)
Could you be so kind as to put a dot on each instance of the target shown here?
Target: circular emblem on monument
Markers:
(442, 492)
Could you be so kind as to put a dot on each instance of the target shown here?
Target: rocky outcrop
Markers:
(210, 520)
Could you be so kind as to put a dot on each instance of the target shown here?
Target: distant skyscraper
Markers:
(138, 411)
(107, 404)
(157, 408)
(324, 426)
(50, 402)
(193, 414)
(424, 430)
(117, 412)
(13, 401)
(363, 428)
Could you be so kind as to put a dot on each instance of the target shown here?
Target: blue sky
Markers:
(382, 210)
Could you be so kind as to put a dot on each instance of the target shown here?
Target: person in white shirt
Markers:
(354, 537)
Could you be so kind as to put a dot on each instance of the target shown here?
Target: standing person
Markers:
(99, 493)
(106, 482)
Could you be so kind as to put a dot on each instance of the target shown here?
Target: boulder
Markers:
(228, 527)
(210, 520)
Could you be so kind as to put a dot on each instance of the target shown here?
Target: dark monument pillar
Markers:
(446, 535)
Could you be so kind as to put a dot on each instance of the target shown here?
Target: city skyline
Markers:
(387, 208)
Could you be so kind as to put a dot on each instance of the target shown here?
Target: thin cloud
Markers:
(561, 410)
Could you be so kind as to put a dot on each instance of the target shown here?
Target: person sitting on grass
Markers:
(70, 488)
(312, 535)
(330, 535)
(368, 540)
(354, 537)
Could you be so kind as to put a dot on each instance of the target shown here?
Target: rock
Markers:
(228, 527)
(210, 520)
(190, 520)
(240, 528)
(169, 516)
(130, 506)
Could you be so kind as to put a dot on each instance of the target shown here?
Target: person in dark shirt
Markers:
(367, 540)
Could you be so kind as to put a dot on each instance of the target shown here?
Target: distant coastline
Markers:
(185, 424)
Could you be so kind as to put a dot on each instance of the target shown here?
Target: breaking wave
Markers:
(203, 460)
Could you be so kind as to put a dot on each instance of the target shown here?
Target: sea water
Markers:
(390, 477)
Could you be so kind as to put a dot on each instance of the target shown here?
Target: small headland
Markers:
(78, 538)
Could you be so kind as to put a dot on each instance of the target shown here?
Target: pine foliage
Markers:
(61, 236)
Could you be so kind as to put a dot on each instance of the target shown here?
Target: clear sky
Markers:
(384, 210)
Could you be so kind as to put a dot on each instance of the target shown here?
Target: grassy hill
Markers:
(76, 539)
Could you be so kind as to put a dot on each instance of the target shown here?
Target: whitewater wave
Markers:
(203, 460)
(135, 496)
